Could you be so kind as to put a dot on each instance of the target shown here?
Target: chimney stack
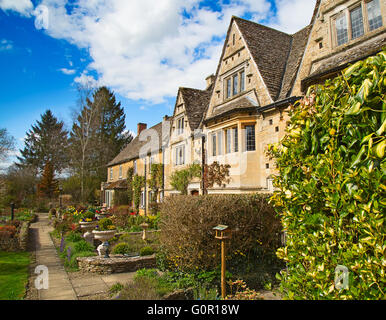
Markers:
(209, 80)
(141, 127)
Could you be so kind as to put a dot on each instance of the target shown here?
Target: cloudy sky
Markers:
(142, 49)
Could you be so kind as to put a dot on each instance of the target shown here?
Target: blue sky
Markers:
(143, 50)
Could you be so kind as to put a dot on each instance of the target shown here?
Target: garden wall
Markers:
(115, 264)
(18, 243)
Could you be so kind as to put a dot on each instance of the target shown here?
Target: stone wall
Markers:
(115, 264)
(18, 243)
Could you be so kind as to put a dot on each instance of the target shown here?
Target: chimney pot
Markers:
(209, 80)
(140, 127)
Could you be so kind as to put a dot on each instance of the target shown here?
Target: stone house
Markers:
(261, 72)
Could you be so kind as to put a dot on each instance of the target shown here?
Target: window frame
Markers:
(247, 144)
(347, 13)
(230, 89)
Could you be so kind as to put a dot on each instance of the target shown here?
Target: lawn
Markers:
(13, 274)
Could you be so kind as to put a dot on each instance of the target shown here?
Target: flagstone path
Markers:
(63, 285)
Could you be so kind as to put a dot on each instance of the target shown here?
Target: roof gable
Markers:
(134, 148)
(269, 49)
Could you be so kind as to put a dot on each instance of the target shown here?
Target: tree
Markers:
(48, 186)
(47, 141)
(330, 191)
(110, 131)
(97, 136)
(7, 144)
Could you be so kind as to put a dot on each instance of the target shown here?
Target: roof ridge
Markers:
(260, 25)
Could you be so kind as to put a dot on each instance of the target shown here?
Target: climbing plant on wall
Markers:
(138, 184)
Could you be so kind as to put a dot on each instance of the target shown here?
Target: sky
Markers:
(143, 50)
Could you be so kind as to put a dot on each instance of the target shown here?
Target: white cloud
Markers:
(293, 15)
(23, 7)
(67, 71)
(146, 49)
(6, 45)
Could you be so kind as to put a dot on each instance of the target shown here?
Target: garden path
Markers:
(63, 285)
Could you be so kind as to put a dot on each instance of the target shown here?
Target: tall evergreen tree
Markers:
(111, 134)
(47, 141)
(97, 136)
(48, 186)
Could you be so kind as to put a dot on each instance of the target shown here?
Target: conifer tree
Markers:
(47, 141)
(48, 186)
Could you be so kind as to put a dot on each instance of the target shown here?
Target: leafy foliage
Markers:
(330, 191)
(138, 184)
(180, 179)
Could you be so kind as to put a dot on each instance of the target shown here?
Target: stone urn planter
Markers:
(104, 236)
(144, 227)
(88, 226)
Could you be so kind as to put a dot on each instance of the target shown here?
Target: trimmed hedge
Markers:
(187, 223)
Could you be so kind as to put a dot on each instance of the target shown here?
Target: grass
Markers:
(13, 274)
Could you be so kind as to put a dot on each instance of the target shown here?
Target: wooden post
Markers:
(223, 269)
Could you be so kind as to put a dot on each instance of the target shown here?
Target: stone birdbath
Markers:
(104, 236)
(88, 226)
(144, 226)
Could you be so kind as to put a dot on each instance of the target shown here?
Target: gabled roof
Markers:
(270, 49)
(298, 46)
(132, 150)
(196, 102)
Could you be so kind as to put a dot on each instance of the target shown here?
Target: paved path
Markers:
(63, 286)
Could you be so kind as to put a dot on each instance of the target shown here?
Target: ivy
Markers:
(180, 179)
(138, 184)
(130, 192)
(330, 191)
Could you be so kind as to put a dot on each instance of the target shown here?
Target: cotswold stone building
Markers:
(261, 72)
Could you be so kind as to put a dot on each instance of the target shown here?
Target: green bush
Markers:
(146, 251)
(121, 248)
(331, 188)
(83, 246)
(74, 237)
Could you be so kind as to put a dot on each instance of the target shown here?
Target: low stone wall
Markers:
(18, 243)
(115, 264)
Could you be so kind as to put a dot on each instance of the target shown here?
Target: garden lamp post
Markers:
(223, 233)
(12, 210)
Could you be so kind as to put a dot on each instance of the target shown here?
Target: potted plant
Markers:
(88, 222)
(104, 231)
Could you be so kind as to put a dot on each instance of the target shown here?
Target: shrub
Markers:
(105, 224)
(187, 234)
(146, 251)
(83, 246)
(330, 191)
(74, 237)
(121, 248)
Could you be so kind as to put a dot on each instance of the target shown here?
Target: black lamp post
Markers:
(12, 210)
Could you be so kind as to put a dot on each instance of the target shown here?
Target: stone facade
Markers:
(261, 72)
